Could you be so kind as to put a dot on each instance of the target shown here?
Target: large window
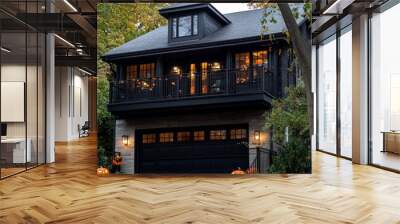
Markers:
(385, 89)
(184, 26)
(327, 95)
(140, 71)
(346, 93)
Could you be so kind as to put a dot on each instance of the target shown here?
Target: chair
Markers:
(84, 130)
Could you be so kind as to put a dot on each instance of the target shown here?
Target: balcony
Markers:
(221, 87)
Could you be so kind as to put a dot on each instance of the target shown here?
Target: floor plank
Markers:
(68, 191)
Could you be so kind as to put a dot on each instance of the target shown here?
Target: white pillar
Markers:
(50, 100)
(360, 89)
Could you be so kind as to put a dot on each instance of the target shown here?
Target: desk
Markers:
(13, 150)
(391, 141)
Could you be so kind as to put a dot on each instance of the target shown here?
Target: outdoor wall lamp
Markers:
(125, 139)
(257, 137)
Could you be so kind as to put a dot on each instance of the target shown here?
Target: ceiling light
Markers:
(338, 6)
(65, 41)
(70, 5)
(84, 71)
(5, 50)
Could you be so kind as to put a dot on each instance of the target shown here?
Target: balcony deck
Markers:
(214, 89)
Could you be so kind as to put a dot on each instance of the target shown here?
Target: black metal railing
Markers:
(261, 160)
(228, 82)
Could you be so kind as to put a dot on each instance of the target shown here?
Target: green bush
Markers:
(290, 113)
(105, 124)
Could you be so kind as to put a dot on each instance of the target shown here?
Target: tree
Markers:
(289, 121)
(299, 42)
(116, 25)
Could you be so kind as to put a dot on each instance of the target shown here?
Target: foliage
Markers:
(105, 123)
(290, 113)
(294, 157)
(116, 25)
(120, 23)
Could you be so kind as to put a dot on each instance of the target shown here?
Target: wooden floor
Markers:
(70, 192)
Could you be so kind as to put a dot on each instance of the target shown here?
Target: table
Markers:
(13, 150)
(391, 141)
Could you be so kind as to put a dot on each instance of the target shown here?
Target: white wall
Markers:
(71, 102)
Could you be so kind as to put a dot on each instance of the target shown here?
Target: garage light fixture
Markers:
(257, 137)
(125, 140)
(5, 50)
(64, 40)
(70, 5)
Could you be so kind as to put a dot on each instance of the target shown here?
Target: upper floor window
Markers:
(141, 71)
(184, 26)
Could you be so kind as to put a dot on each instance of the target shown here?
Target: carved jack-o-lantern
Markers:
(101, 171)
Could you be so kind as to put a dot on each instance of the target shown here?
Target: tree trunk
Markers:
(302, 50)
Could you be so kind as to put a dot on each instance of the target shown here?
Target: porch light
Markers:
(257, 137)
(125, 139)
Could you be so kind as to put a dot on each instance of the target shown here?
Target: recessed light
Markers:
(70, 5)
(5, 50)
(64, 40)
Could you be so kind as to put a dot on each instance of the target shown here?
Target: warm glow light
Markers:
(257, 137)
(101, 171)
(125, 140)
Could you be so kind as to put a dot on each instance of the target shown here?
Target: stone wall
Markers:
(254, 119)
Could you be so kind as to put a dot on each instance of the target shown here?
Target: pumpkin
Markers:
(238, 172)
(101, 171)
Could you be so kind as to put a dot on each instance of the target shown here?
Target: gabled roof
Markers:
(186, 7)
(244, 26)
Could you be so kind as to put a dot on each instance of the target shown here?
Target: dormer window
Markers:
(184, 26)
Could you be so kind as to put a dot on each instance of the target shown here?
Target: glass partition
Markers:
(22, 77)
(14, 154)
(327, 95)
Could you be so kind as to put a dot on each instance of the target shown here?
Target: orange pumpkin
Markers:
(238, 172)
(101, 171)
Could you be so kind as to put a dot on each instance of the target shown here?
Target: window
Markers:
(242, 63)
(167, 137)
(198, 136)
(242, 60)
(184, 26)
(195, 26)
(237, 134)
(218, 134)
(174, 23)
(385, 89)
(204, 80)
(345, 93)
(183, 136)
(147, 70)
(260, 58)
(149, 138)
(327, 95)
(192, 79)
(131, 72)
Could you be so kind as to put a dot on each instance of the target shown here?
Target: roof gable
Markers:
(244, 25)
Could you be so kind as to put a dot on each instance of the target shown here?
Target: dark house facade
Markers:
(190, 96)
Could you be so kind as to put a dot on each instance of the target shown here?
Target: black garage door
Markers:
(192, 150)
